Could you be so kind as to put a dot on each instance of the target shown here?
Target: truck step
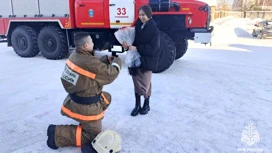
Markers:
(3, 39)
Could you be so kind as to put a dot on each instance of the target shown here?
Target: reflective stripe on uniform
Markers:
(105, 99)
(116, 65)
(80, 70)
(82, 117)
(78, 136)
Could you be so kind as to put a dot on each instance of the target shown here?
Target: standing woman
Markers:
(147, 43)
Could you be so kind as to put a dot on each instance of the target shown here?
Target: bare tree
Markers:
(264, 5)
(237, 5)
(223, 5)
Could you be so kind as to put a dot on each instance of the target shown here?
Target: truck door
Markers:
(121, 13)
(89, 13)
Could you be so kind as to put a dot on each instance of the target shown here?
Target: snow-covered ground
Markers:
(203, 103)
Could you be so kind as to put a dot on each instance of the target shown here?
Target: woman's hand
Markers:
(132, 48)
(125, 45)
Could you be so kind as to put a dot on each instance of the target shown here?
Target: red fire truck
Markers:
(47, 26)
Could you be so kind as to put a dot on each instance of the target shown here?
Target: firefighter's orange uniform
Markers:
(83, 78)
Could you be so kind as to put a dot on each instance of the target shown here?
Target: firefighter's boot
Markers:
(51, 136)
(88, 149)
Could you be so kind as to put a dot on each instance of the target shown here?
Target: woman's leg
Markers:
(138, 92)
(142, 86)
(146, 107)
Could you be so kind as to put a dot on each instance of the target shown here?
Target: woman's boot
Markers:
(146, 107)
(137, 108)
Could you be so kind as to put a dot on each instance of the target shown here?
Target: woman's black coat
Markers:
(147, 42)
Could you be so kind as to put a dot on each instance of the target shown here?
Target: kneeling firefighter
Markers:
(83, 78)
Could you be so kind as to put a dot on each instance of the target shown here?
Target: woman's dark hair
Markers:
(147, 10)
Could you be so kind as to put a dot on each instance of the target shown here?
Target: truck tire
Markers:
(24, 41)
(168, 53)
(52, 43)
(181, 48)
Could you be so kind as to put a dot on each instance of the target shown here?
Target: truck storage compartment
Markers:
(5, 9)
(57, 8)
(25, 8)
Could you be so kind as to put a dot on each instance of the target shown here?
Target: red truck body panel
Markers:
(99, 10)
(101, 13)
(63, 22)
(2, 27)
(72, 13)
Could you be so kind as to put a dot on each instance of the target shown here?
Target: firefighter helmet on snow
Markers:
(107, 142)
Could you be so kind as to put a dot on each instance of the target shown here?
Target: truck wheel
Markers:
(24, 41)
(168, 53)
(181, 48)
(52, 43)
